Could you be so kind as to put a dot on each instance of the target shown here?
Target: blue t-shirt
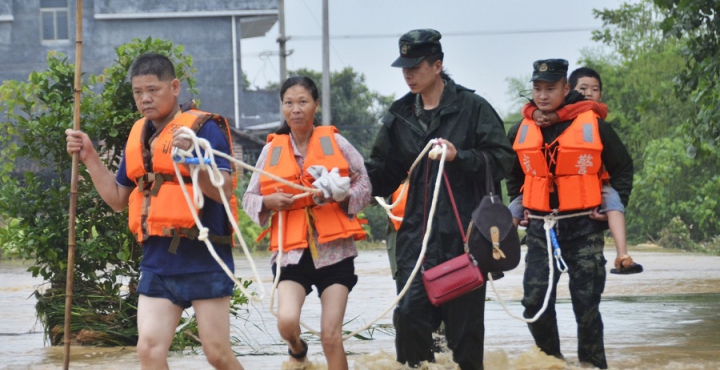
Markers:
(192, 255)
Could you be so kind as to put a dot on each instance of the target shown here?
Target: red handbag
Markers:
(455, 277)
(452, 279)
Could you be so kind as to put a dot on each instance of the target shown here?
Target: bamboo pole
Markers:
(73, 186)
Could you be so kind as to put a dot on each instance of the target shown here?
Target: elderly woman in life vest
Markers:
(315, 234)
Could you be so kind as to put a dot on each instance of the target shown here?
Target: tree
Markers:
(673, 179)
(638, 79)
(695, 24)
(520, 92)
(672, 185)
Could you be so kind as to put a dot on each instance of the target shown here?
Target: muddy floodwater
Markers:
(667, 317)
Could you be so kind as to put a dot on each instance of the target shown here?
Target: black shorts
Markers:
(305, 274)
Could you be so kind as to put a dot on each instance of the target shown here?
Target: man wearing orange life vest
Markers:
(557, 171)
(177, 270)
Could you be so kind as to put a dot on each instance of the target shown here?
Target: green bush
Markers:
(674, 186)
(676, 235)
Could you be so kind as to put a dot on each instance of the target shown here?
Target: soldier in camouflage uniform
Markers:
(581, 238)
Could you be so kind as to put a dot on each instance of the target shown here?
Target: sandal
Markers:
(624, 265)
(299, 356)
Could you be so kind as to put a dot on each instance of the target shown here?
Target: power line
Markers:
(465, 33)
(320, 37)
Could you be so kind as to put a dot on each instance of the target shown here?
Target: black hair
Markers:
(584, 72)
(152, 64)
(305, 82)
(430, 59)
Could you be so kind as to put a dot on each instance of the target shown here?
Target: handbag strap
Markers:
(454, 206)
(489, 186)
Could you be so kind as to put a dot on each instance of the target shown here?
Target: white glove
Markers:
(331, 183)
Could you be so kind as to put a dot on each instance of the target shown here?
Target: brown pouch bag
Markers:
(492, 237)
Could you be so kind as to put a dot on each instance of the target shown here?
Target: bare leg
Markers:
(334, 300)
(157, 319)
(616, 222)
(213, 317)
(291, 297)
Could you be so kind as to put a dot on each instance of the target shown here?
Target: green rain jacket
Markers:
(472, 125)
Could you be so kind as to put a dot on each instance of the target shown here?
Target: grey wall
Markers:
(207, 39)
(134, 6)
(6, 7)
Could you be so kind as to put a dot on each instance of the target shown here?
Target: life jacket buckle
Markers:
(175, 233)
(157, 183)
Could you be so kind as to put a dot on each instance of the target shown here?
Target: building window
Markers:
(54, 20)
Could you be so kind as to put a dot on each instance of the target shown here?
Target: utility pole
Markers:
(282, 40)
(326, 115)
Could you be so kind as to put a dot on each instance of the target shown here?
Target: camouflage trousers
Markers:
(586, 270)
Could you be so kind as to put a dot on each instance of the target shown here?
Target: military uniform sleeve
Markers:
(516, 176)
(490, 138)
(617, 161)
(386, 172)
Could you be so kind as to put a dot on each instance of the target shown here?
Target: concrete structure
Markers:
(210, 31)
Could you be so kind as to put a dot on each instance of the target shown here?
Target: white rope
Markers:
(201, 162)
(549, 222)
(394, 303)
(218, 181)
(388, 207)
(442, 149)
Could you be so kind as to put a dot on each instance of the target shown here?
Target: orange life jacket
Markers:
(399, 209)
(569, 165)
(158, 207)
(330, 221)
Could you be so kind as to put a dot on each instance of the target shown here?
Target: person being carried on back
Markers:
(587, 82)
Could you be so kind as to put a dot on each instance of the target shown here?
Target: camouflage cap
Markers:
(416, 45)
(550, 70)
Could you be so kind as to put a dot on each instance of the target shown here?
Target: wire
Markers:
(320, 37)
(445, 34)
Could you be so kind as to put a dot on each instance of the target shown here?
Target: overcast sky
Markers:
(485, 42)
